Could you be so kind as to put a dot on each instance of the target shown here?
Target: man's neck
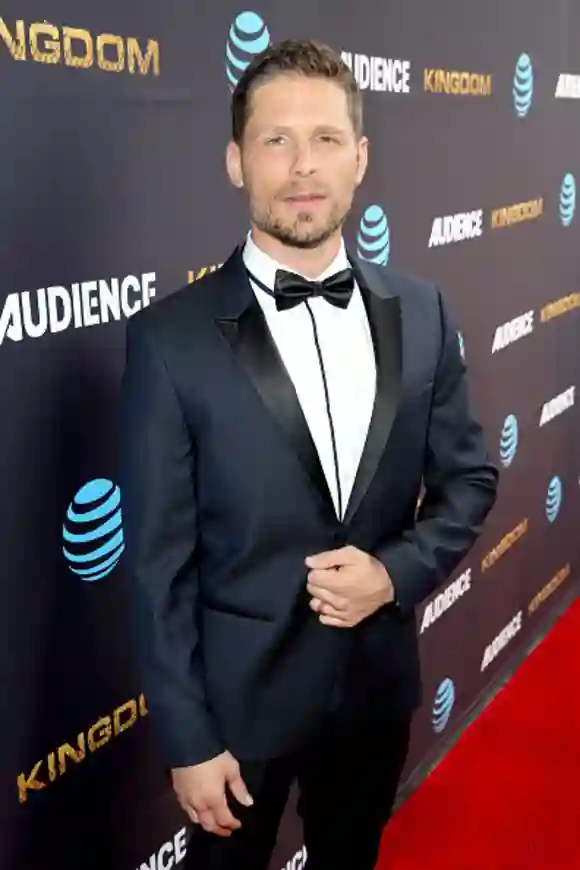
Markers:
(308, 262)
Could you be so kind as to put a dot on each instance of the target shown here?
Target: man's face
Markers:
(300, 161)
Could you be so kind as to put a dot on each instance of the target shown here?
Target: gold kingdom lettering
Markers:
(514, 214)
(506, 543)
(205, 270)
(549, 589)
(486, 85)
(100, 733)
(560, 306)
(51, 53)
(66, 751)
(143, 61)
(52, 771)
(30, 782)
(79, 61)
(457, 82)
(119, 726)
(76, 47)
(15, 45)
(117, 65)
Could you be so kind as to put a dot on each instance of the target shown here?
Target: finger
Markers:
(224, 816)
(190, 810)
(325, 609)
(240, 791)
(327, 597)
(339, 582)
(333, 621)
(329, 559)
(325, 577)
(210, 824)
(336, 582)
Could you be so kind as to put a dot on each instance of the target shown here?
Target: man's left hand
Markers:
(347, 585)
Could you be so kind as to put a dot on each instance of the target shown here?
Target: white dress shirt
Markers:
(349, 362)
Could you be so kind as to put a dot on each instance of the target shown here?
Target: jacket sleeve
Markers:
(157, 472)
(459, 480)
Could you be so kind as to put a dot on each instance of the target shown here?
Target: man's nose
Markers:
(304, 163)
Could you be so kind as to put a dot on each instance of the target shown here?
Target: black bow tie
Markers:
(291, 289)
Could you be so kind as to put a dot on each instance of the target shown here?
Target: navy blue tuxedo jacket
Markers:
(224, 496)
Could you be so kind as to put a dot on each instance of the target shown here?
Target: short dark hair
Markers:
(306, 57)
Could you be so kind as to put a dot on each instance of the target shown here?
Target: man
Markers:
(279, 419)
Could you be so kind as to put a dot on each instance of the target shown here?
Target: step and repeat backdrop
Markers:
(114, 194)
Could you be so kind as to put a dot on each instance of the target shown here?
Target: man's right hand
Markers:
(201, 791)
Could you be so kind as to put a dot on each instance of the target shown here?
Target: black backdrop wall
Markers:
(113, 193)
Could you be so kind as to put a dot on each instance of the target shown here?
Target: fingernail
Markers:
(249, 801)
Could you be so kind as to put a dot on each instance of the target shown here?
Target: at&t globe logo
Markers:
(443, 705)
(93, 530)
(554, 499)
(248, 37)
(567, 199)
(509, 441)
(523, 89)
(373, 238)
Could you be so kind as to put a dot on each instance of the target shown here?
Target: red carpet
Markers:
(507, 796)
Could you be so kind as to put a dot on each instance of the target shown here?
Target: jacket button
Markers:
(339, 538)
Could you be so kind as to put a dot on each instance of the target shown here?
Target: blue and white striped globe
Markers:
(554, 499)
(567, 199)
(509, 440)
(374, 238)
(523, 87)
(248, 36)
(93, 530)
(443, 705)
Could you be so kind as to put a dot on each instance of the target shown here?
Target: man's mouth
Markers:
(305, 197)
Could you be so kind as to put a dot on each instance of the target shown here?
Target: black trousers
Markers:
(347, 781)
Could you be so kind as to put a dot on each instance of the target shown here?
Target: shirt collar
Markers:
(264, 267)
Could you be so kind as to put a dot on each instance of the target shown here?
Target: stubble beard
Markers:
(300, 233)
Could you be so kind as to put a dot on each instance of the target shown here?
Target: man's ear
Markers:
(234, 164)
(362, 159)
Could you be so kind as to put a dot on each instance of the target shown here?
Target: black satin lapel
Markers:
(252, 343)
(384, 315)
